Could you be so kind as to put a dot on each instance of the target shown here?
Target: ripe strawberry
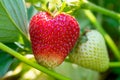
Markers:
(52, 37)
(92, 54)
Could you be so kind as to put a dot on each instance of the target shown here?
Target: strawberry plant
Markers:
(59, 40)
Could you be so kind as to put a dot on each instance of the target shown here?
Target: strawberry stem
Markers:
(35, 65)
(88, 5)
(108, 39)
(114, 64)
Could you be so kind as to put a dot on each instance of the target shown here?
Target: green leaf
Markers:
(13, 20)
(75, 72)
(5, 62)
(82, 19)
(30, 12)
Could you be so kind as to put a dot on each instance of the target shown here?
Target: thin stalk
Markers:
(108, 39)
(114, 64)
(88, 5)
(35, 65)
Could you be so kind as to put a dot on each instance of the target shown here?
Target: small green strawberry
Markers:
(91, 54)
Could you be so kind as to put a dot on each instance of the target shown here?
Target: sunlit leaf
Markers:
(13, 20)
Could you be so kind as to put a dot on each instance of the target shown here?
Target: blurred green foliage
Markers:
(111, 26)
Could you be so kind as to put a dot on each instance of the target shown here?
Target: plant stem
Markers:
(88, 5)
(114, 64)
(35, 65)
(108, 39)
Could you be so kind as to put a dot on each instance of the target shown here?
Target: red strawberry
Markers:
(52, 37)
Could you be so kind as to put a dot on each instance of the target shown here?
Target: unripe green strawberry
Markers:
(52, 37)
(91, 54)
